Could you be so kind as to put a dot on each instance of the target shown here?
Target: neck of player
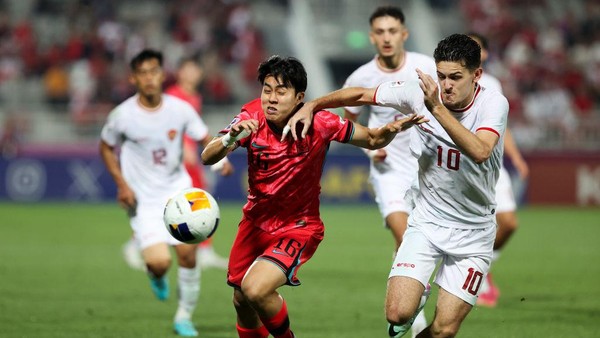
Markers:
(150, 101)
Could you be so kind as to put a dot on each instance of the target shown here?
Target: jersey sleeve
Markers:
(353, 81)
(404, 96)
(243, 115)
(495, 115)
(110, 131)
(333, 127)
(196, 128)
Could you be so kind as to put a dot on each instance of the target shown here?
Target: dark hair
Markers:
(145, 55)
(394, 12)
(188, 59)
(481, 38)
(289, 70)
(459, 48)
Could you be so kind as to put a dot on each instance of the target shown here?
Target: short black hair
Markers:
(145, 55)
(289, 70)
(459, 48)
(394, 12)
(481, 38)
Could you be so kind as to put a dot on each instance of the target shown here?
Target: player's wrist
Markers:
(228, 141)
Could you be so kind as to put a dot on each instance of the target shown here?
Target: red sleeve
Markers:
(333, 127)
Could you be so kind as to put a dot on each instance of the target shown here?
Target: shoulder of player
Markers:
(174, 101)
(124, 108)
(492, 95)
(365, 70)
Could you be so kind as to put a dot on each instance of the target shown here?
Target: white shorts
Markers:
(148, 226)
(505, 198)
(391, 187)
(464, 255)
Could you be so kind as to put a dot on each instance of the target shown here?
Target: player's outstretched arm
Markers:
(351, 96)
(220, 146)
(375, 138)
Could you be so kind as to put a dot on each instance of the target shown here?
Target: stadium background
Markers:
(63, 66)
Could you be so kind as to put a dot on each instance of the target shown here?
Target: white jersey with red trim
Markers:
(151, 144)
(370, 75)
(454, 191)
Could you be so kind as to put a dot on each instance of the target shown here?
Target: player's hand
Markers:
(245, 127)
(406, 122)
(303, 116)
(430, 90)
(126, 198)
(227, 169)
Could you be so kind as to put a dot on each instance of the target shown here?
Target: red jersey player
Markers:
(281, 227)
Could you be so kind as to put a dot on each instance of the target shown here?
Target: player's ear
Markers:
(300, 96)
(405, 34)
(131, 79)
(477, 74)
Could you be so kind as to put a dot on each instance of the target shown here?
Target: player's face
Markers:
(191, 73)
(388, 35)
(278, 101)
(148, 78)
(457, 84)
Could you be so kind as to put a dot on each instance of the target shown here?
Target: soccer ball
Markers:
(192, 215)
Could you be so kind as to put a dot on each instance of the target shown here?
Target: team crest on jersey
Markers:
(232, 123)
(397, 84)
(172, 134)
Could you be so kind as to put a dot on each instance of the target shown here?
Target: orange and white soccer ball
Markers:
(192, 215)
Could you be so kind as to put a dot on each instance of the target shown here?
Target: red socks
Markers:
(279, 325)
(259, 332)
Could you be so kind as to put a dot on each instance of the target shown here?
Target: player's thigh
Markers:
(397, 222)
(186, 254)
(157, 255)
(450, 312)
(402, 297)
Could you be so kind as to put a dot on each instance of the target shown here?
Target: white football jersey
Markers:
(151, 157)
(371, 75)
(454, 191)
(490, 82)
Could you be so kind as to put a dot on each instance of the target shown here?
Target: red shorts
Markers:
(288, 249)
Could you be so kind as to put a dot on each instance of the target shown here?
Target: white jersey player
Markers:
(149, 129)
(151, 158)
(392, 176)
(459, 153)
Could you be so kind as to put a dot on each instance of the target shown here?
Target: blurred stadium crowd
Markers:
(546, 53)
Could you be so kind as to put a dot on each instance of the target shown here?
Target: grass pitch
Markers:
(62, 275)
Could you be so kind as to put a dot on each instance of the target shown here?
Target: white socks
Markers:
(188, 284)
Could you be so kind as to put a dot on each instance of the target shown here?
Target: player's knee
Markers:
(158, 265)
(397, 315)
(239, 301)
(254, 294)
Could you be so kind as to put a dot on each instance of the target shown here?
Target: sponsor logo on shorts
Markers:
(405, 265)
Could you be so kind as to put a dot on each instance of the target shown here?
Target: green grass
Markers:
(62, 275)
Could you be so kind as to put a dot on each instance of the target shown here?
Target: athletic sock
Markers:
(259, 332)
(279, 325)
(188, 283)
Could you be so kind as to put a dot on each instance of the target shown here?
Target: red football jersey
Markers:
(284, 177)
